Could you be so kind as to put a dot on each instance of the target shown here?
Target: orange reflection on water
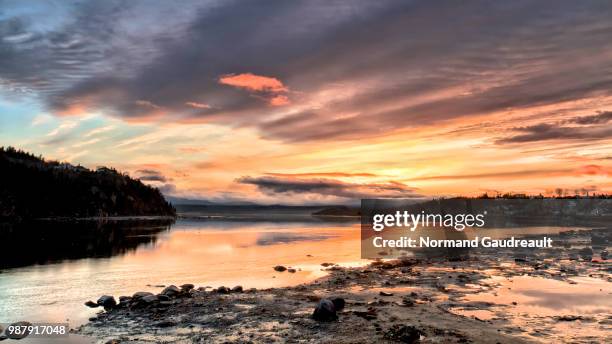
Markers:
(204, 253)
(247, 256)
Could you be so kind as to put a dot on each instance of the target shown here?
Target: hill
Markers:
(31, 187)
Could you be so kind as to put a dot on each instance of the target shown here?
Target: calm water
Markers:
(48, 279)
(203, 252)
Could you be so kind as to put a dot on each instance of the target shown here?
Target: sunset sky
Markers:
(315, 101)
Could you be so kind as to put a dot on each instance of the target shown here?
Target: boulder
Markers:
(141, 294)
(187, 287)
(223, 290)
(149, 299)
(280, 268)
(237, 289)
(161, 297)
(171, 291)
(325, 311)
(91, 304)
(339, 303)
(107, 301)
(291, 270)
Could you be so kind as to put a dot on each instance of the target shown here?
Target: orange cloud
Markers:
(266, 88)
(147, 104)
(593, 170)
(279, 100)
(323, 174)
(253, 82)
(72, 110)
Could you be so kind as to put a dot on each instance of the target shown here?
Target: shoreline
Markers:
(386, 301)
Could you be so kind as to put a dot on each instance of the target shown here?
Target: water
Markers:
(48, 270)
(71, 270)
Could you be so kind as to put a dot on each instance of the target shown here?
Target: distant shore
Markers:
(109, 218)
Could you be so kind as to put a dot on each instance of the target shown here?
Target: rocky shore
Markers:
(409, 300)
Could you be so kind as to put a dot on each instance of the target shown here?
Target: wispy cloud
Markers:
(198, 105)
(330, 187)
(382, 51)
(150, 175)
(588, 128)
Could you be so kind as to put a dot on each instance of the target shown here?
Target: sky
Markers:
(312, 102)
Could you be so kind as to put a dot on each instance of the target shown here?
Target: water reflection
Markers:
(43, 242)
(120, 261)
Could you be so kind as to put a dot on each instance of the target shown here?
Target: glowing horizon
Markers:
(303, 102)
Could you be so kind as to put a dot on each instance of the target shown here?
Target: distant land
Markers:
(176, 201)
(33, 188)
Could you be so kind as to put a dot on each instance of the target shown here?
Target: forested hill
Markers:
(31, 187)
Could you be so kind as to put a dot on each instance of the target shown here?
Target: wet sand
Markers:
(556, 295)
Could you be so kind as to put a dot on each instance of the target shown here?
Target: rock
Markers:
(403, 334)
(406, 269)
(187, 286)
(170, 291)
(161, 297)
(149, 299)
(223, 290)
(604, 255)
(107, 301)
(91, 304)
(407, 301)
(384, 293)
(326, 264)
(124, 301)
(237, 289)
(166, 323)
(325, 311)
(280, 268)
(339, 303)
(141, 294)
(291, 270)
(586, 253)
(370, 314)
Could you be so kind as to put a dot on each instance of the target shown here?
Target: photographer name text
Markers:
(402, 242)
